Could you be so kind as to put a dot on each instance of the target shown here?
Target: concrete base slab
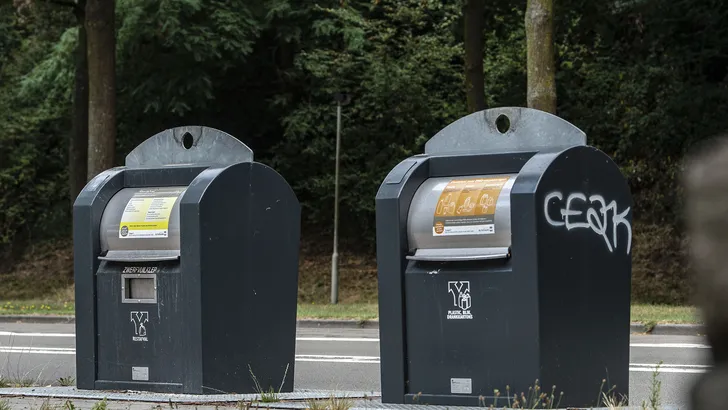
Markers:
(36, 403)
(432, 407)
(67, 398)
(71, 393)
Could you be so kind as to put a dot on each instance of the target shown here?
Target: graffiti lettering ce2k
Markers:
(579, 212)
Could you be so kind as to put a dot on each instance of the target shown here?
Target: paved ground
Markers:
(347, 359)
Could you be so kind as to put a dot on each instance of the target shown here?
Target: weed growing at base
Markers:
(68, 405)
(332, 403)
(46, 405)
(66, 381)
(22, 382)
(655, 390)
(270, 396)
(613, 403)
(536, 398)
(608, 398)
(102, 405)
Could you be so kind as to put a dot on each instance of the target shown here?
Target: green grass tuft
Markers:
(102, 405)
(535, 398)
(46, 405)
(66, 381)
(655, 390)
(270, 395)
(332, 403)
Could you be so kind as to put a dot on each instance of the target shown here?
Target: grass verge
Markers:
(358, 311)
(664, 314)
(648, 314)
(35, 307)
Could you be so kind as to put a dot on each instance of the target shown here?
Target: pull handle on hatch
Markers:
(141, 256)
(460, 254)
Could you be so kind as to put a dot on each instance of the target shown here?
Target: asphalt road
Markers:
(348, 359)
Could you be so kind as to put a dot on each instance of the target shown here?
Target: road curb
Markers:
(678, 330)
(667, 329)
(50, 319)
(338, 323)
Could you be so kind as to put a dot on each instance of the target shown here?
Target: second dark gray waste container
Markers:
(504, 257)
(186, 269)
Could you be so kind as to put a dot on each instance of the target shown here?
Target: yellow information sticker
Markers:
(146, 215)
(467, 207)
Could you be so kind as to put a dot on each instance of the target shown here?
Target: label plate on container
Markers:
(147, 213)
(467, 207)
(461, 386)
(140, 373)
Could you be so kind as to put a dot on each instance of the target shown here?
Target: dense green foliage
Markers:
(392, 60)
(645, 79)
(32, 161)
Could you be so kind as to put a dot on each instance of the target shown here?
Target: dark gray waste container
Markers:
(504, 257)
(186, 268)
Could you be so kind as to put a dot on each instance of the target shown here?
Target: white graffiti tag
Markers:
(596, 216)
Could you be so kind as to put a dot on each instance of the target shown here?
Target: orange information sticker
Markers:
(467, 207)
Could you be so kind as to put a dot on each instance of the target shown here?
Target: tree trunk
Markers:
(78, 144)
(540, 61)
(102, 85)
(474, 44)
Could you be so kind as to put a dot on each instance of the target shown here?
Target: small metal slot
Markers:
(138, 288)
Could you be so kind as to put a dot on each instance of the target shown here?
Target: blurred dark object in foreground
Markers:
(706, 189)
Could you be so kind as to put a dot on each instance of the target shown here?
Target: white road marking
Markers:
(376, 340)
(303, 339)
(17, 334)
(672, 345)
(337, 339)
(651, 370)
(633, 367)
(702, 366)
(336, 359)
(300, 358)
(668, 368)
(38, 350)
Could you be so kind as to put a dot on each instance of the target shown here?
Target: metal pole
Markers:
(335, 255)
